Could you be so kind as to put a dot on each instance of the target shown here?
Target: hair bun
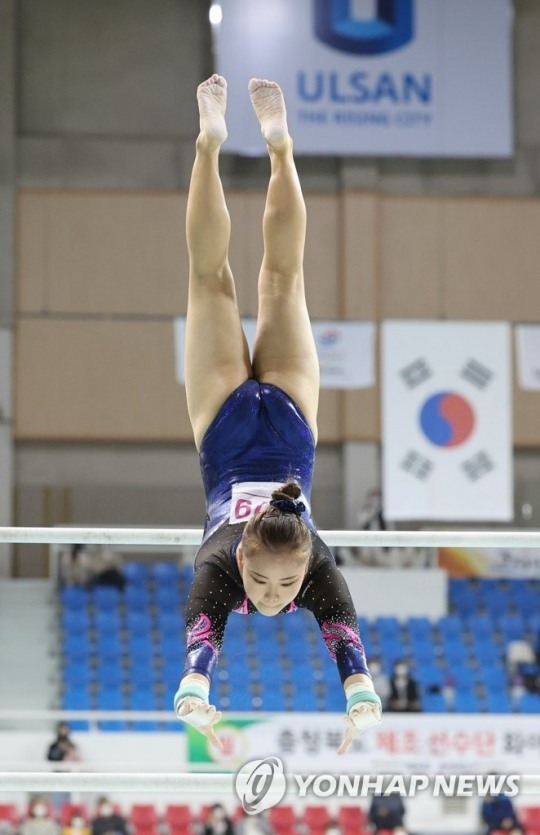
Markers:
(290, 490)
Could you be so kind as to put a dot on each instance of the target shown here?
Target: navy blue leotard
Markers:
(260, 435)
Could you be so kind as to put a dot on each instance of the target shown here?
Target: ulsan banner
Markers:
(446, 421)
(385, 77)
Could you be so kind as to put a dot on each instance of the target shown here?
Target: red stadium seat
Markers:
(530, 816)
(178, 816)
(69, 810)
(350, 817)
(143, 817)
(316, 817)
(9, 813)
(282, 819)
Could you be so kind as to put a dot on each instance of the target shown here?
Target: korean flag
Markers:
(447, 421)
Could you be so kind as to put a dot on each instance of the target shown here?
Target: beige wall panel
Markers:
(330, 416)
(411, 269)
(97, 380)
(359, 244)
(361, 415)
(119, 253)
(31, 253)
(526, 413)
(246, 250)
(492, 257)
(322, 261)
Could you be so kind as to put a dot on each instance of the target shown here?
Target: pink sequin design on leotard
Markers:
(243, 609)
(334, 633)
(202, 631)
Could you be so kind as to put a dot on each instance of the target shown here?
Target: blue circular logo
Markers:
(447, 419)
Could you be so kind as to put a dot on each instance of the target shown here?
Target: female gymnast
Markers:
(255, 426)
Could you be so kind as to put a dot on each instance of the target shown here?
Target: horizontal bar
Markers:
(173, 537)
(207, 784)
(159, 782)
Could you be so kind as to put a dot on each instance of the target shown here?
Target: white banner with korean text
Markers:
(402, 744)
(384, 77)
(447, 420)
(346, 351)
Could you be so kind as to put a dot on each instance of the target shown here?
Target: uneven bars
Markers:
(57, 782)
(213, 783)
(171, 537)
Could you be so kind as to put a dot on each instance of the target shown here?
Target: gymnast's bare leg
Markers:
(217, 356)
(284, 352)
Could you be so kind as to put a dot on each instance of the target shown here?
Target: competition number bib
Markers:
(250, 497)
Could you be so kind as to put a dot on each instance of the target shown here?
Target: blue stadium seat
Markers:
(77, 648)
(171, 623)
(107, 621)
(109, 648)
(74, 598)
(75, 622)
(493, 677)
(334, 700)
(463, 598)
(481, 625)
(455, 650)
(77, 675)
(434, 703)
(106, 597)
(529, 703)
(110, 698)
(496, 603)
(466, 702)
(450, 626)
(165, 573)
(304, 699)
(167, 598)
(486, 650)
(137, 597)
(241, 699)
(497, 702)
(140, 649)
(142, 698)
(138, 623)
(464, 677)
(272, 699)
(144, 676)
(429, 676)
(388, 626)
(110, 675)
(76, 698)
(136, 573)
(512, 627)
(419, 627)
(528, 603)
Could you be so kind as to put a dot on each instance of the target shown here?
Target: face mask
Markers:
(40, 810)
(105, 811)
(77, 823)
(375, 670)
(402, 669)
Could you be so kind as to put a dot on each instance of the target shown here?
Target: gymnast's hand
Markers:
(361, 715)
(200, 715)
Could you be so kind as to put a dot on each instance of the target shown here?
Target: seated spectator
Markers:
(387, 813)
(76, 826)
(381, 682)
(92, 565)
(518, 653)
(39, 820)
(404, 691)
(63, 749)
(218, 822)
(107, 821)
(498, 813)
(333, 828)
(253, 825)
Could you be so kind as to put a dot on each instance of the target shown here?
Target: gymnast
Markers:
(255, 427)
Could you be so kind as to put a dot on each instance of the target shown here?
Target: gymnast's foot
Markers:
(212, 100)
(269, 105)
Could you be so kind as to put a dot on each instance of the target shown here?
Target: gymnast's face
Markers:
(271, 581)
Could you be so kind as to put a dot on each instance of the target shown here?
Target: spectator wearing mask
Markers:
(77, 826)
(217, 822)
(63, 749)
(39, 820)
(387, 813)
(498, 814)
(404, 692)
(107, 821)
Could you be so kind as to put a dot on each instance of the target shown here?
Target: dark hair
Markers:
(279, 526)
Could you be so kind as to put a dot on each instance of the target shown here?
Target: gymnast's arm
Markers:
(213, 595)
(329, 598)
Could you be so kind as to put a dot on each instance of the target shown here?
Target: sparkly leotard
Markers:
(260, 435)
